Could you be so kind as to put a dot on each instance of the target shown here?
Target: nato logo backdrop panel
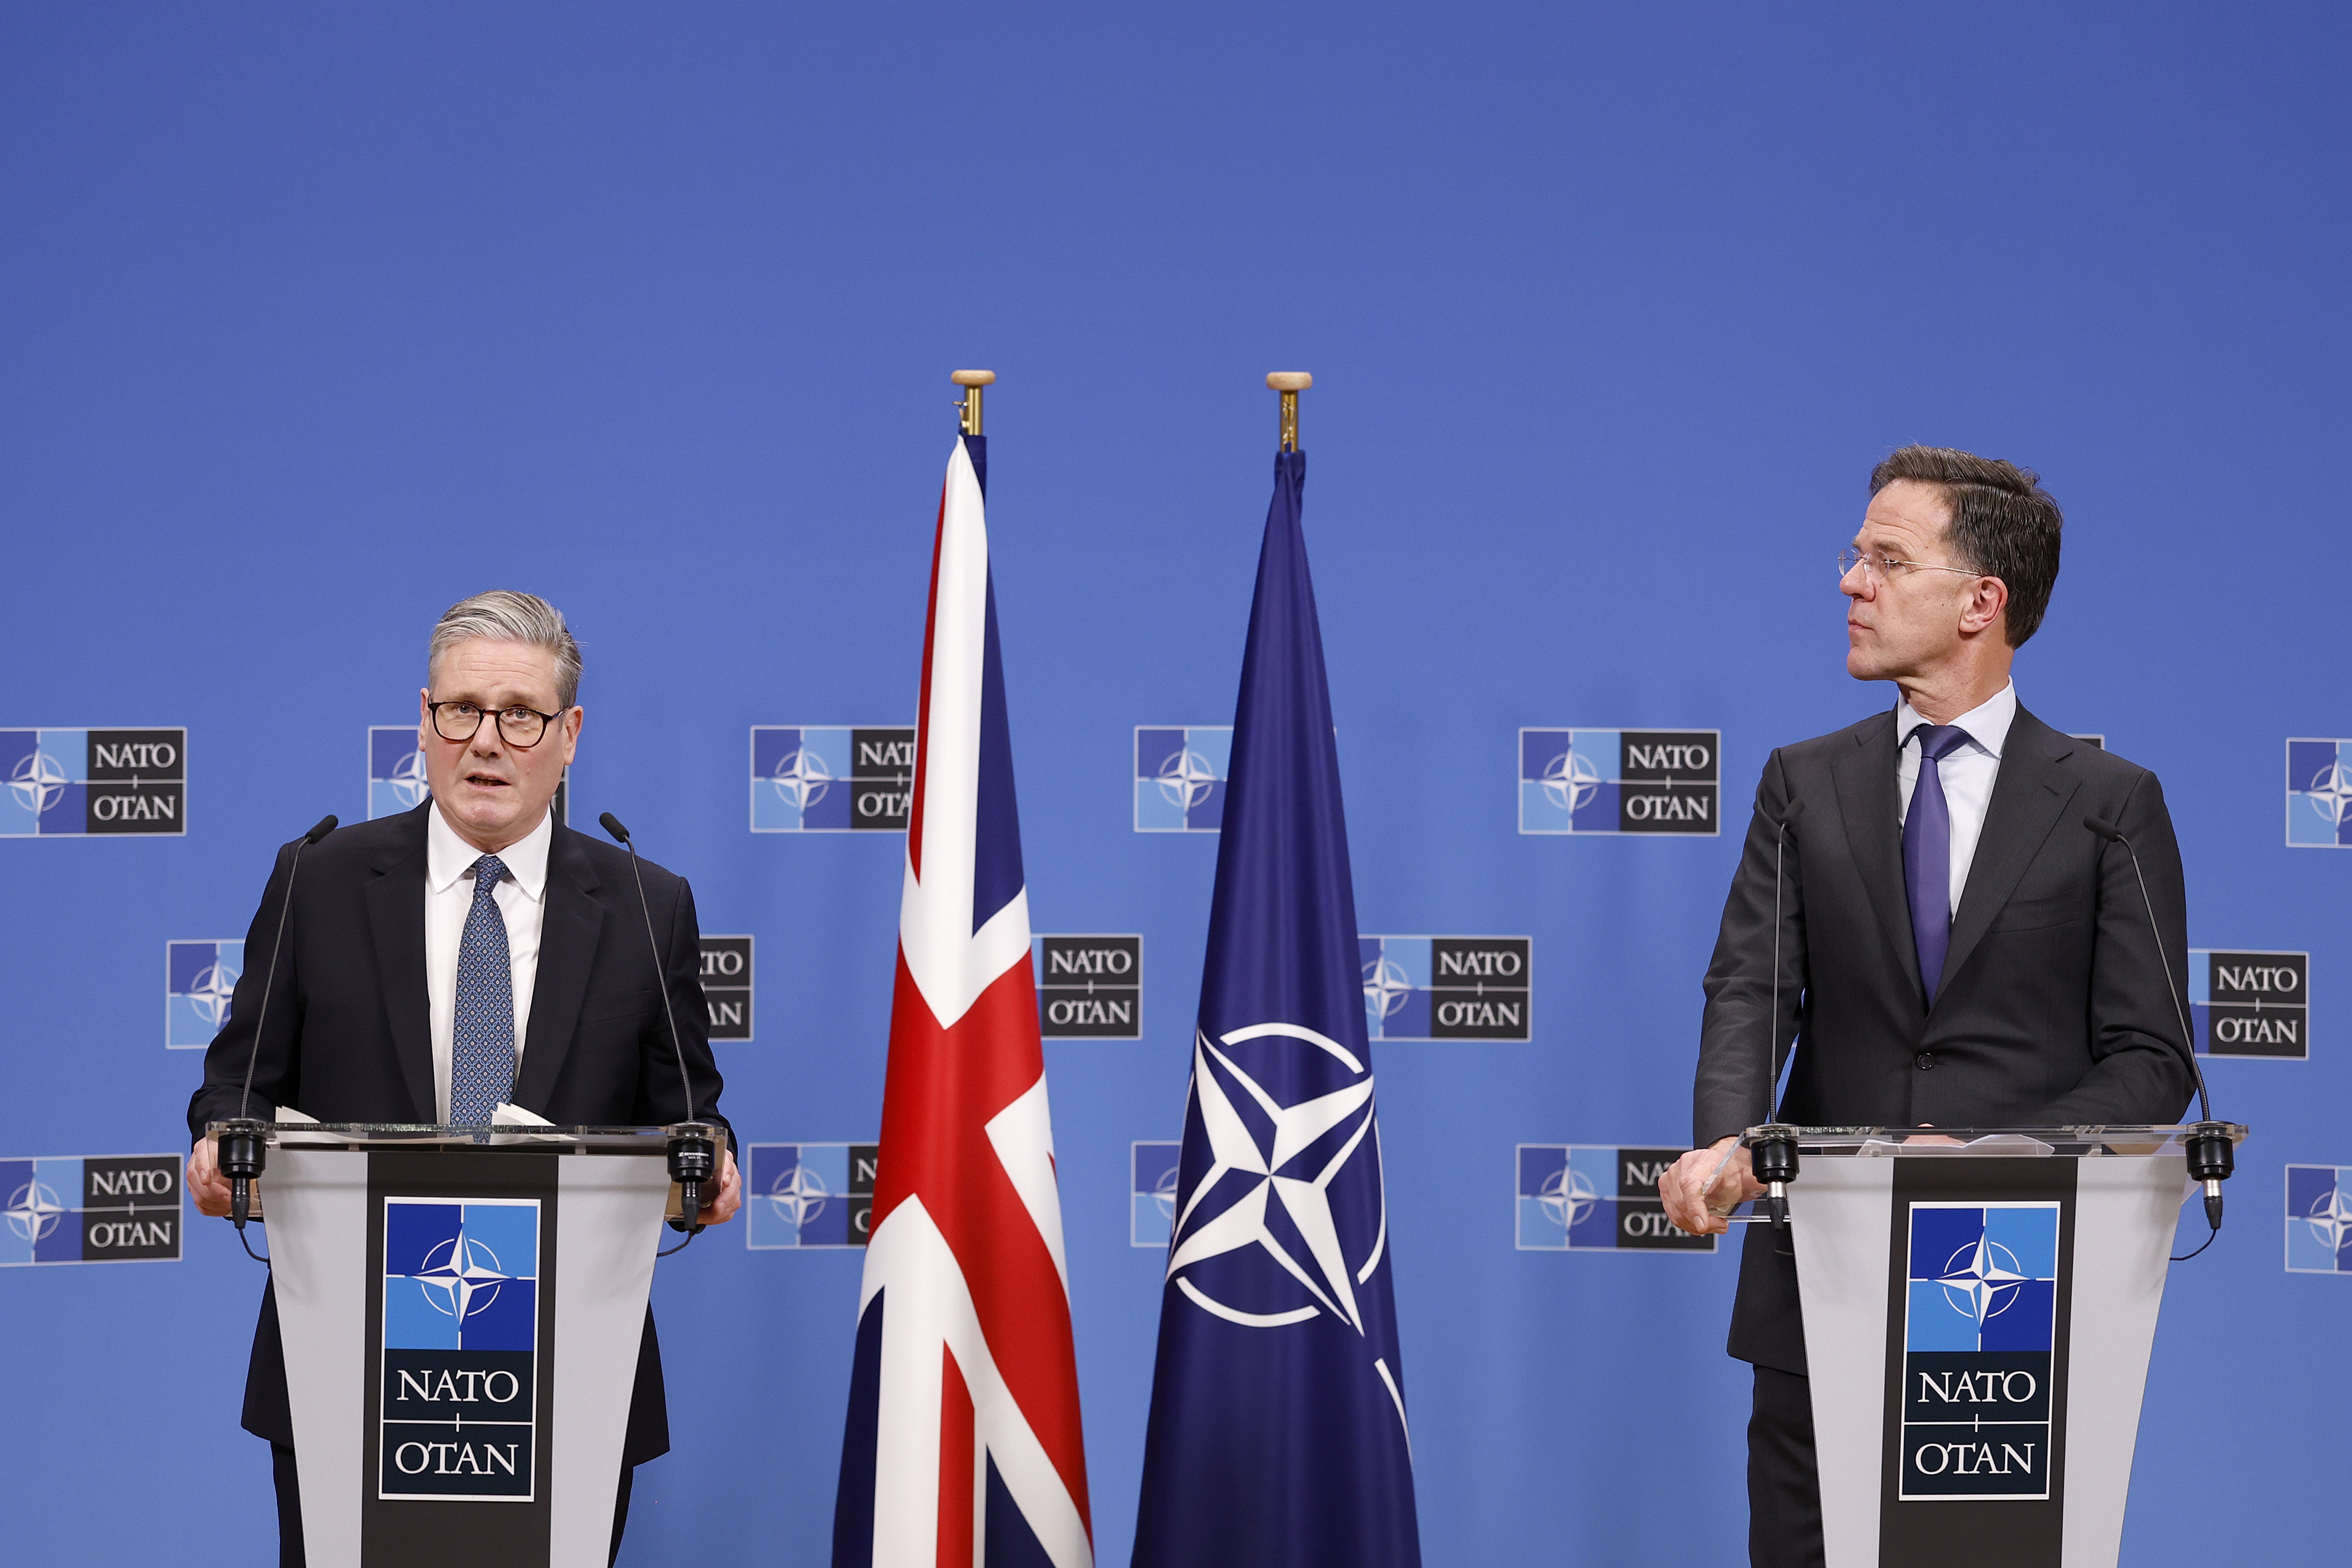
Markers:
(2319, 1219)
(802, 1195)
(1446, 987)
(727, 985)
(1980, 1317)
(460, 1348)
(831, 778)
(1180, 777)
(1596, 1197)
(2251, 1003)
(95, 1208)
(1152, 1194)
(62, 783)
(1620, 781)
(2318, 793)
(199, 977)
(1089, 987)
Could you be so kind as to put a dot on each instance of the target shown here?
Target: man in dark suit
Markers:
(1956, 949)
(465, 955)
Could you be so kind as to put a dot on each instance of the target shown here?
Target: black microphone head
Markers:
(2104, 828)
(326, 826)
(612, 825)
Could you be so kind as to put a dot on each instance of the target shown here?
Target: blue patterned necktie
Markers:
(482, 1042)
(1927, 853)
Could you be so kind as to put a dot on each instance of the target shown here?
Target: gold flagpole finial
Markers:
(1290, 383)
(971, 381)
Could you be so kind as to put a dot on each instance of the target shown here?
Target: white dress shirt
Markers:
(521, 898)
(1967, 774)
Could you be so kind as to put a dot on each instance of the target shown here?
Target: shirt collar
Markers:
(1986, 723)
(449, 857)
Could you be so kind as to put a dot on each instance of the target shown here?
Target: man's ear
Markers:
(1987, 604)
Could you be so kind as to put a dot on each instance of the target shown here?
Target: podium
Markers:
(1978, 1312)
(462, 1310)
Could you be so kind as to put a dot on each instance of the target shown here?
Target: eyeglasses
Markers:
(518, 727)
(1884, 568)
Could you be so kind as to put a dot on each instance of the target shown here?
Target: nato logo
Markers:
(1089, 987)
(199, 977)
(74, 782)
(1180, 777)
(396, 774)
(1446, 987)
(1588, 1198)
(727, 985)
(460, 1348)
(2319, 1219)
(2251, 1003)
(2318, 793)
(802, 1195)
(1980, 1320)
(1620, 781)
(99, 1208)
(830, 779)
(1152, 1194)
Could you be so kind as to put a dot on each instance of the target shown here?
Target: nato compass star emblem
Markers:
(2331, 792)
(33, 1212)
(802, 778)
(1277, 1173)
(800, 1196)
(461, 1277)
(1387, 987)
(409, 784)
(38, 782)
(2330, 1218)
(1568, 780)
(1186, 778)
(1565, 1198)
(211, 993)
(1981, 1281)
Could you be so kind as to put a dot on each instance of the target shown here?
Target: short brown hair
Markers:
(2003, 524)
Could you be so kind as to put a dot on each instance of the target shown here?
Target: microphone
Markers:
(240, 1148)
(2211, 1157)
(1776, 1153)
(693, 1154)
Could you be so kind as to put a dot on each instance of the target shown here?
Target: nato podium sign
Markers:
(461, 1321)
(1977, 1320)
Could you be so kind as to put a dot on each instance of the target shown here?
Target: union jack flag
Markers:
(963, 1443)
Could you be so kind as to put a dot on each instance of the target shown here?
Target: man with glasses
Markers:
(466, 954)
(1955, 948)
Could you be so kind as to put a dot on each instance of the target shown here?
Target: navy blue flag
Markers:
(1277, 1436)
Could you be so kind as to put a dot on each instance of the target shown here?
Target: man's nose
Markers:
(1857, 582)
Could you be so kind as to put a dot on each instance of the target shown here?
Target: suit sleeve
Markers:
(2137, 1074)
(1730, 1093)
(661, 1098)
(276, 1066)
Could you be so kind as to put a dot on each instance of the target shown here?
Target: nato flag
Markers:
(1277, 1436)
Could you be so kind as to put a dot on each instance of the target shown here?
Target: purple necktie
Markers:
(1927, 853)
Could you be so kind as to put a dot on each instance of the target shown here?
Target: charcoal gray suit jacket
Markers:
(2052, 1009)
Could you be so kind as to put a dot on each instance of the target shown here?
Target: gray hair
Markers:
(503, 615)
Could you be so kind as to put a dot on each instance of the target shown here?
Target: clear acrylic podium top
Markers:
(2137, 1142)
(427, 1138)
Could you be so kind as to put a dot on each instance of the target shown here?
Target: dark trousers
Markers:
(289, 1507)
(1784, 1484)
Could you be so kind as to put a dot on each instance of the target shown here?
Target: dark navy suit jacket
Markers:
(349, 1033)
(2052, 1009)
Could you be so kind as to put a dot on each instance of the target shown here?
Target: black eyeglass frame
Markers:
(499, 716)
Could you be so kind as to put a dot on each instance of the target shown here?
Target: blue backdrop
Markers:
(315, 322)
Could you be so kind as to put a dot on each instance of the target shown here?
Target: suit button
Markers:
(1925, 1061)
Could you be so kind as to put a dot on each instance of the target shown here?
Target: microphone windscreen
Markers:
(326, 826)
(2104, 828)
(612, 825)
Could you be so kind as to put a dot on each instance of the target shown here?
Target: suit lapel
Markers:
(395, 906)
(567, 951)
(2028, 798)
(1867, 803)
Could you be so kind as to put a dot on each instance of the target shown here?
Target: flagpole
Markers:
(971, 381)
(1290, 383)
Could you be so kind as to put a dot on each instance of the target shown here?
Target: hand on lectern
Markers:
(207, 1185)
(723, 1203)
(1697, 1197)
